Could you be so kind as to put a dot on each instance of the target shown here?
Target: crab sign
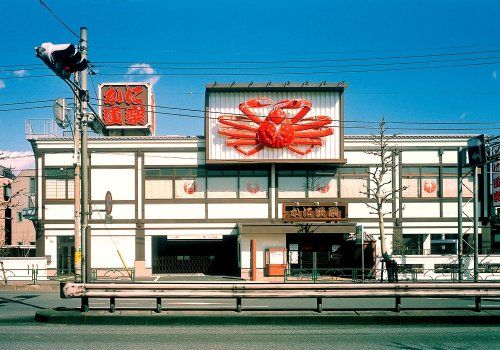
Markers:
(278, 130)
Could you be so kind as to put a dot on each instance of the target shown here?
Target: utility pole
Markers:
(461, 158)
(76, 135)
(84, 97)
(476, 227)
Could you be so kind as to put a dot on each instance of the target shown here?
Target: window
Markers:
(354, 182)
(413, 244)
(32, 186)
(444, 244)
(450, 183)
(420, 182)
(222, 183)
(59, 183)
(313, 183)
(216, 182)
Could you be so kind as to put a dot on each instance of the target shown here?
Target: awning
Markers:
(303, 227)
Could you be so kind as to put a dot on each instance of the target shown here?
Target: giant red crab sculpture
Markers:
(279, 129)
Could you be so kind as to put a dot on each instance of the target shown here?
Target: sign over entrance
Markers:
(325, 212)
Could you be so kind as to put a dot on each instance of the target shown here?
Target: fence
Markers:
(403, 273)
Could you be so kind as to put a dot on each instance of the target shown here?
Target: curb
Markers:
(74, 316)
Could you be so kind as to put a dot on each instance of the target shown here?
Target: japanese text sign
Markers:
(314, 212)
(126, 105)
(496, 184)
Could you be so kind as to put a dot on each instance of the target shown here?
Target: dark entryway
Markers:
(207, 256)
(326, 251)
(65, 255)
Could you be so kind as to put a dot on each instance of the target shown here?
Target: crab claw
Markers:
(257, 102)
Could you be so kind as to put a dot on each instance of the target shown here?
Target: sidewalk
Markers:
(272, 318)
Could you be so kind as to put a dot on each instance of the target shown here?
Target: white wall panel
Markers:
(121, 183)
(420, 157)
(262, 242)
(105, 255)
(174, 158)
(421, 210)
(174, 211)
(359, 157)
(59, 212)
(59, 159)
(450, 210)
(112, 158)
(51, 251)
(323, 103)
(120, 211)
(238, 211)
(450, 157)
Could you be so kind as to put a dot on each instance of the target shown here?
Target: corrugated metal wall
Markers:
(323, 103)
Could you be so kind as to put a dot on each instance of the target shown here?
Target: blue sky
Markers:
(179, 34)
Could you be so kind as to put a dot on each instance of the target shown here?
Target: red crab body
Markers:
(277, 130)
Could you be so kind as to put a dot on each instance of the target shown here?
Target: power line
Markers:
(302, 52)
(311, 60)
(56, 17)
(25, 108)
(305, 73)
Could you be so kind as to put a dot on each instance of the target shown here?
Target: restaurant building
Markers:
(273, 184)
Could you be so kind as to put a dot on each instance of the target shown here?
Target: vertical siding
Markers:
(323, 103)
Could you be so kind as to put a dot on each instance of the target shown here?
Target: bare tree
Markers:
(382, 189)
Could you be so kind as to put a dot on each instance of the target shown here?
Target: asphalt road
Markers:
(19, 331)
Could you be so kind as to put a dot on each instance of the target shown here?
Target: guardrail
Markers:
(239, 291)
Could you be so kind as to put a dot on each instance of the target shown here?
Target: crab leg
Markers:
(307, 141)
(299, 151)
(304, 105)
(237, 133)
(314, 133)
(235, 123)
(254, 103)
(321, 121)
(241, 142)
(250, 152)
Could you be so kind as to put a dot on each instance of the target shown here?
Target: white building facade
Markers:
(210, 205)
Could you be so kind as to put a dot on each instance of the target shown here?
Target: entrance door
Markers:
(65, 255)
(206, 256)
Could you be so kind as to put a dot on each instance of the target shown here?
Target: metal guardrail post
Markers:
(478, 304)
(398, 304)
(112, 304)
(158, 305)
(85, 304)
(319, 305)
(238, 304)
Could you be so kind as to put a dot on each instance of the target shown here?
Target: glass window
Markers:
(253, 187)
(32, 185)
(158, 189)
(420, 182)
(353, 187)
(292, 187)
(323, 186)
(190, 188)
(55, 189)
(222, 187)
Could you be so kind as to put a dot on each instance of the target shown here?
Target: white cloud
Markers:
(20, 73)
(142, 68)
(494, 75)
(17, 160)
(2, 84)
